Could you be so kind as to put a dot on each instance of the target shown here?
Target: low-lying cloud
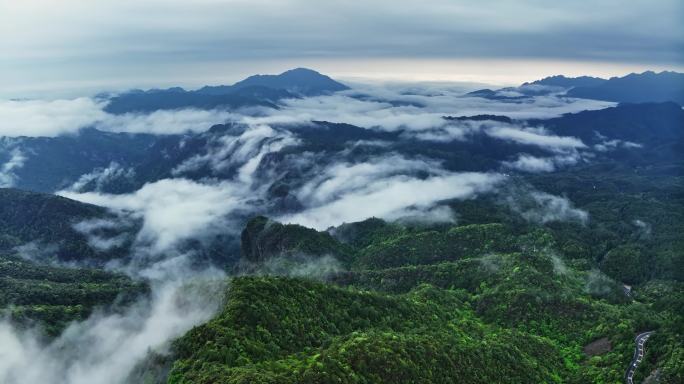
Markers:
(389, 188)
(48, 117)
(529, 163)
(301, 266)
(105, 348)
(164, 122)
(16, 160)
(51, 118)
(245, 149)
(98, 231)
(172, 210)
(399, 109)
(238, 169)
(609, 145)
(535, 137)
(532, 164)
(541, 207)
(381, 107)
(100, 177)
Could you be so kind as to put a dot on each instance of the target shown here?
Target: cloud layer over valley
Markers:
(50, 118)
(195, 176)
(380, 107)
(141, 180)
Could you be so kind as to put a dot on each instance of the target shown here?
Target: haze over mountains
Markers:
(301, 192)
(636, 88)
(130, 160)
(290, 228)
(633, 88)
(267, 90)
(263, 90)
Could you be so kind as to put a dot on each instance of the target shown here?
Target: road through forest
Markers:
(639, 350)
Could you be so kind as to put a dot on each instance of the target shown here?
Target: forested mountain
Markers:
(54, 163)
(45, 227)
(341, 192)
(123, 162)
(350, 236)
(32, 293)
(437, 295)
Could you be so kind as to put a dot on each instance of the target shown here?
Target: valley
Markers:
(304, 231)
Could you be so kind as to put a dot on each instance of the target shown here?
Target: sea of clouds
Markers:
(333, 190)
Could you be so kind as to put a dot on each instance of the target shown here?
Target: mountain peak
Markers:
(301, 70)
(302, 81)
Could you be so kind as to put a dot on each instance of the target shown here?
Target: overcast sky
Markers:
(84, 45)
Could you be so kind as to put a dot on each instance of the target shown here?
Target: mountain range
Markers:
(124, 162)
(257, 90)
(412, 237)
(633, 88)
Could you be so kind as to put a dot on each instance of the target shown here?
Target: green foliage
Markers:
(263, 239)
(367, 232)
(53, 296)
(469, 274)
(494, 299)
(665, 355)
(483, 309)
(431, 246)
(636, 214)
(304, 332)
(431, 290)
(47, 221)
(375, 244)
(624, 263)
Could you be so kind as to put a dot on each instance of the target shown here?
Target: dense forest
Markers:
(417, 304)
(55, 296)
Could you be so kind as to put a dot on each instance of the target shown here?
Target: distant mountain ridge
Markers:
(298, 81)
(122, 162)
(257, 90)
(636, 88)
(646, 87)
(568, 82)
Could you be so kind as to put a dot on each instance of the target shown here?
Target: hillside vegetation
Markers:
(425, 304)
(52, 297)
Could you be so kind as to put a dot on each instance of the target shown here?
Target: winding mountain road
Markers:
(640, 340)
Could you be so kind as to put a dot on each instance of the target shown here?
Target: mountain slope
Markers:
(52, 297)
(653, 123)
(636, 88)
(263, 239)
(257, 90)
(533, 309)
(177, 98)
(276, 330)
(646, 87)
(119, 162)
(47, 222)
(54, 163)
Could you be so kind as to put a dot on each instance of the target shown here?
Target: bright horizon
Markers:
(75, 48)
(472, 74)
